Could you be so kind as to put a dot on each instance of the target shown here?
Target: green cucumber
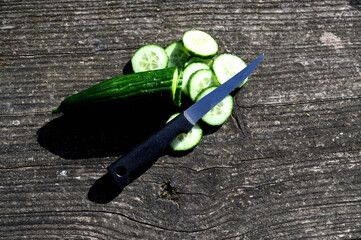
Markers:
(127, 88)
(221, 112)
(177, 89)
(149, 57)
(199, 81)
(187, 73)
(207, 61)
(177, 54)
(200, 44)
(186, 141)
(226, 66)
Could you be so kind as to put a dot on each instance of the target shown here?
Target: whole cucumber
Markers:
(162, 84)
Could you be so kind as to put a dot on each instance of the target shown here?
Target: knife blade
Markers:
(131, 165)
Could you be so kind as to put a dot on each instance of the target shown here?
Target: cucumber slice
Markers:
(177, 54)
(149, 57)
(226, 66)
(199, 81)
(200, 44)
(220, 113)
(207, 61)
(187, 73)
(186, 141)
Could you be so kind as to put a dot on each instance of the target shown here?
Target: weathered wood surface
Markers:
(286, 165)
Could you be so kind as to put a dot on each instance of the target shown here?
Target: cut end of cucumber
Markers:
(221, 112)
(177, 88)
(186, 141)
(149, 57)
(200, 44)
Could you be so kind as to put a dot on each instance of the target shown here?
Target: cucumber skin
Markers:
(126, 88)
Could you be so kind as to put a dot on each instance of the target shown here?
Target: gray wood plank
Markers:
(286, 165)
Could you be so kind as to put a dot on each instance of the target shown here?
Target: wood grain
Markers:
(286, 165)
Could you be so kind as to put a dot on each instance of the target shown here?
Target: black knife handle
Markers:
(134, 163)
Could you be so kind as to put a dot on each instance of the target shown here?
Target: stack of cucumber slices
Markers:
(200, 72)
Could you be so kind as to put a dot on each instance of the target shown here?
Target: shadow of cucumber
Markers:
(104, 130)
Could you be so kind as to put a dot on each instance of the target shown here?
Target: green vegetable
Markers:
(149, 57)
(163, 74)
(207, 61)
(199, 81)
(177, 54)
(160, 76)
(219, 113)
(187, 73)
(128, 88)
(186, 141)
(200, 44)
(226, 66)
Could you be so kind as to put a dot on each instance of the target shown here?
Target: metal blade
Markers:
(200, 108)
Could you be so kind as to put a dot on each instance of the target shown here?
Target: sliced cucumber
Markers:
(200, 44)
(177, 54)
(187, 73)
(221, 112)
(226, 66)
(177, 89)
(186, 141)
(199, 81)
(207, 61)
(149, 57)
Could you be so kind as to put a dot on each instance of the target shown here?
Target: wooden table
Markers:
(286, 165)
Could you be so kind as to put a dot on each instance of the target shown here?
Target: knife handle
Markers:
(137, 161)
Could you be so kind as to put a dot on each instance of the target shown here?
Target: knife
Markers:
(137, 161)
